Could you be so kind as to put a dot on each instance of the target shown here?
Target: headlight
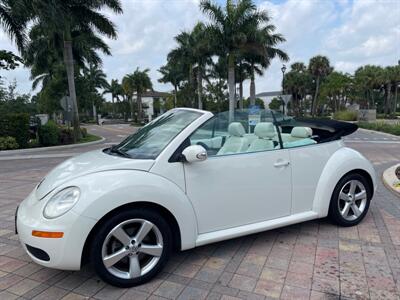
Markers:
(61, 202)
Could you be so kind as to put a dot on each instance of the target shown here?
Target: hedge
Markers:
(8, 143)
(49, 134)
(345, 115)
(381, 126)
(16, 126)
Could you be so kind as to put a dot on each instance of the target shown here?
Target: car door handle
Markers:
(282, 163)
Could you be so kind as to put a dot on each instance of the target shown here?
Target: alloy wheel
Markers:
(132, 248)
(352, 200)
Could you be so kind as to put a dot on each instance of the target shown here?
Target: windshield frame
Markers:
(120, 147)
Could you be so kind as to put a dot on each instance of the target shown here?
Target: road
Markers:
(312, 260)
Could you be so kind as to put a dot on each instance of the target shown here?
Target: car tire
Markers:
(350, 200)
(126, 250)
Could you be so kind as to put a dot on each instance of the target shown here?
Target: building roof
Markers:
(269, 94)
(155, 94)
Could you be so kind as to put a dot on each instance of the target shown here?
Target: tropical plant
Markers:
(228, 32)
(139, 82)
(260, 51)
(63, 18)
(115, 89)
(319, 67)
(172, 73)
(94, 78)
(12, 24)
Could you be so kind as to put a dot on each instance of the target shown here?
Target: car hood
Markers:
(87, 163)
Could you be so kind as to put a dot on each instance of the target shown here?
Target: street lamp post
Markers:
(283, 69)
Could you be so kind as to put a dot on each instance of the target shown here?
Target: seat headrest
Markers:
(265, 130)
(301, 132)
(236, 129)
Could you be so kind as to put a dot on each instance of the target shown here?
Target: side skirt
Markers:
(225, 234)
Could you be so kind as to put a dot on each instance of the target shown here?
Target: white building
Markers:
(148, 100)
(268, 96)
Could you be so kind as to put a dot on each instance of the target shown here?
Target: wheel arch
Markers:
(175, 229)
(344, 161)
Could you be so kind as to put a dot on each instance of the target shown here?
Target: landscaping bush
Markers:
(16, 126)
(8, 143)
(49, 134)
(381, 126)
(66, 136)
(84, 132)
(345, 115)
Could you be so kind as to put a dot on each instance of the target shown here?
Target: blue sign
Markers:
(254, 110)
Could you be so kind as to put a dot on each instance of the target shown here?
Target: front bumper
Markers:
(63, 253)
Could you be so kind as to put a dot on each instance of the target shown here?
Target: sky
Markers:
(350, 32)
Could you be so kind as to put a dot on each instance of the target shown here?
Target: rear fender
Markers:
(343, 161)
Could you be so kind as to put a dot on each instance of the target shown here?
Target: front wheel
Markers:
(131, 247)
(350, 200)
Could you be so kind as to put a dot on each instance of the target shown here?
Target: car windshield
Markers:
(150, 140)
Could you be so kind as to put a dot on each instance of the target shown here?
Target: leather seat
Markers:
(265, 132)
(300, 136)
(236, 142)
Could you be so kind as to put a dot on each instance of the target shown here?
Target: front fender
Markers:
(105, 191)
(343, 161)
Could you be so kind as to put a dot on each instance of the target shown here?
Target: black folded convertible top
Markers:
(337, 129)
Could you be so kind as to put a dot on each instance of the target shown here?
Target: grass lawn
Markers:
(381, 126)
(89, 138)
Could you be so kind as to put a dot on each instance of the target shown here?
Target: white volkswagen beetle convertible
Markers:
(187, 179)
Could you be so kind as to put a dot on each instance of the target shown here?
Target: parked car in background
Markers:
(190, 178)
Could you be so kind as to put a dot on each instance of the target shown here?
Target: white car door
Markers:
(238, 189)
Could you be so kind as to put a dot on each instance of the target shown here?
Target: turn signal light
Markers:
(47, 234)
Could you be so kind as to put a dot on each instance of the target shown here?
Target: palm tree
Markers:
(115, 89)
(194, 51)
(260, 51)
(65, 17)
(13, 26)
(44, 52)
(172, 73)
(229, 33)
(319, 68)
(141, 83)
(95, 79)
(128, 88)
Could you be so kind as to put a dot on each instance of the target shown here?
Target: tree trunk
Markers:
(132, 107)
(69, 65)
(199, 88)
(175, 95)
(139, 107)
(241, 94)
(314, 102)
(387, 100)
(252, 87)
(395, 99)
(113, 106)
(231, 84)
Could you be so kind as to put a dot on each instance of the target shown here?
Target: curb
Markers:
(389, 178)
(33, 150)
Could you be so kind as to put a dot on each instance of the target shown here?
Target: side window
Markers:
(219, 137)
(299, 136)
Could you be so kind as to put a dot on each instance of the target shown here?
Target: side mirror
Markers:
(194, 153)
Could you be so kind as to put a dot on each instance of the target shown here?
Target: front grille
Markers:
(38, 253)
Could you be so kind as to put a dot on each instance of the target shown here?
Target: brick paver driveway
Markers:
(312, 260)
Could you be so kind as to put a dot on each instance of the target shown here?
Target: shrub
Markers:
(66, 136)
(84, 132)
(49, 134)
(8, 143)
(345, 115)
(16, 126)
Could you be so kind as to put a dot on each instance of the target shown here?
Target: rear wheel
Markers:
(350, 200)
(131, 247)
